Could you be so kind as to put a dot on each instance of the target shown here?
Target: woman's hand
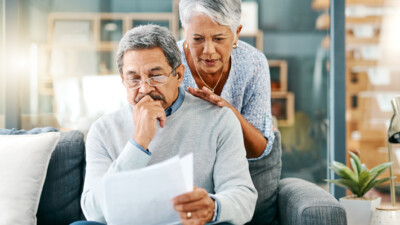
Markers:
(209, 96)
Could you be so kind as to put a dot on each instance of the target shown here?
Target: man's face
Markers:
(145, 63)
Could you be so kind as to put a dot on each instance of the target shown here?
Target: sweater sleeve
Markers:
(257, 110)
(99, 162)
(233, 186)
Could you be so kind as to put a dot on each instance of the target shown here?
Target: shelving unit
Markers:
(282, 101)
(367, 113)
(97, 34)
(82, 46)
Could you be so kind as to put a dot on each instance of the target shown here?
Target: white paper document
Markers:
(144, 196)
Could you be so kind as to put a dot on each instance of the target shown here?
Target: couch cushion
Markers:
(302, 202)
(60, 200)
(23, 164)
(265, 174)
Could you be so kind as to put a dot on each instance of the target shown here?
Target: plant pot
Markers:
(359, 210)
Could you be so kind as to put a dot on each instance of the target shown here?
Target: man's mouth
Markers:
(153, 96)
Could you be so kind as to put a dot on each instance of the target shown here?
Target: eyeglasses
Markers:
(153, 81)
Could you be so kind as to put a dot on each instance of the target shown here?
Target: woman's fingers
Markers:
(196, 92)
(206, 94)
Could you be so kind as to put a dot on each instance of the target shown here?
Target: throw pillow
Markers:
(23, 164)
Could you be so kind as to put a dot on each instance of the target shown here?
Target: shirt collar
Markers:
(178, 102)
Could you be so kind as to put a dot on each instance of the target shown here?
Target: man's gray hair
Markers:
(222, 12)
(148, 37)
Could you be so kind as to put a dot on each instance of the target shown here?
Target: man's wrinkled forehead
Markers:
(144, 61)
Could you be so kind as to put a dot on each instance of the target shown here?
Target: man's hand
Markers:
(145, 115)
(195, 207)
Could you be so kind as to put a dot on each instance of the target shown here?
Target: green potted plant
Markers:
(359, 180)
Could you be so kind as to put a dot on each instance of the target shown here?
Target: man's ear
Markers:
(180, 72)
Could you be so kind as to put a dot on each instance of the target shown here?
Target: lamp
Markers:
(394, 137)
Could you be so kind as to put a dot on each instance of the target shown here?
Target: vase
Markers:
(386, 215)
(359, 210)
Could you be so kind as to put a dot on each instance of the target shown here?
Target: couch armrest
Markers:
(301, 202)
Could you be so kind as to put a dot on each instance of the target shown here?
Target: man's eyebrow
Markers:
(131, 72)
(157, 68)
(221, 34)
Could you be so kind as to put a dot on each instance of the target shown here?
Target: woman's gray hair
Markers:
(222, 12)
(148, 37)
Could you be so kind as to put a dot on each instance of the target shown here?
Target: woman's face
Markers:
(210, 44)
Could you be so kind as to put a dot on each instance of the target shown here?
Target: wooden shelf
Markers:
(373, 3)
(351, 40)
(362, 63)
(364, 20)
(104, 46)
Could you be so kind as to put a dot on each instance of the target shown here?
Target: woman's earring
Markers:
(235, 46)
(186, 45)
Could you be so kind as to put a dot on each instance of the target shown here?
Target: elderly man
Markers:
(162, 121)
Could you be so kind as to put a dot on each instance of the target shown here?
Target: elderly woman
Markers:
(230, 73)
(225, 71)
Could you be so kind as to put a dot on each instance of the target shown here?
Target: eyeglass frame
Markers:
(150, 78)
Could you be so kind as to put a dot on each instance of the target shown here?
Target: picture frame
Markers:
(255, 39)
(282, 107)
(278, 74)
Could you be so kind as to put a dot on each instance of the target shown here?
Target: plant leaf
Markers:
(344, 171)
(381, 168)
(375, 183)
(373, 174)
(357, 162)
(348, 184)
(355, 169)
(364, 179)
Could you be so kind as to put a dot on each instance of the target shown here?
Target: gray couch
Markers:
(289, 201)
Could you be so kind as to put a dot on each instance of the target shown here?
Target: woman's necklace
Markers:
(212, 89)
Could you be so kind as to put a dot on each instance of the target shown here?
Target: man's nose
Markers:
(209, 47)
(145, 87)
